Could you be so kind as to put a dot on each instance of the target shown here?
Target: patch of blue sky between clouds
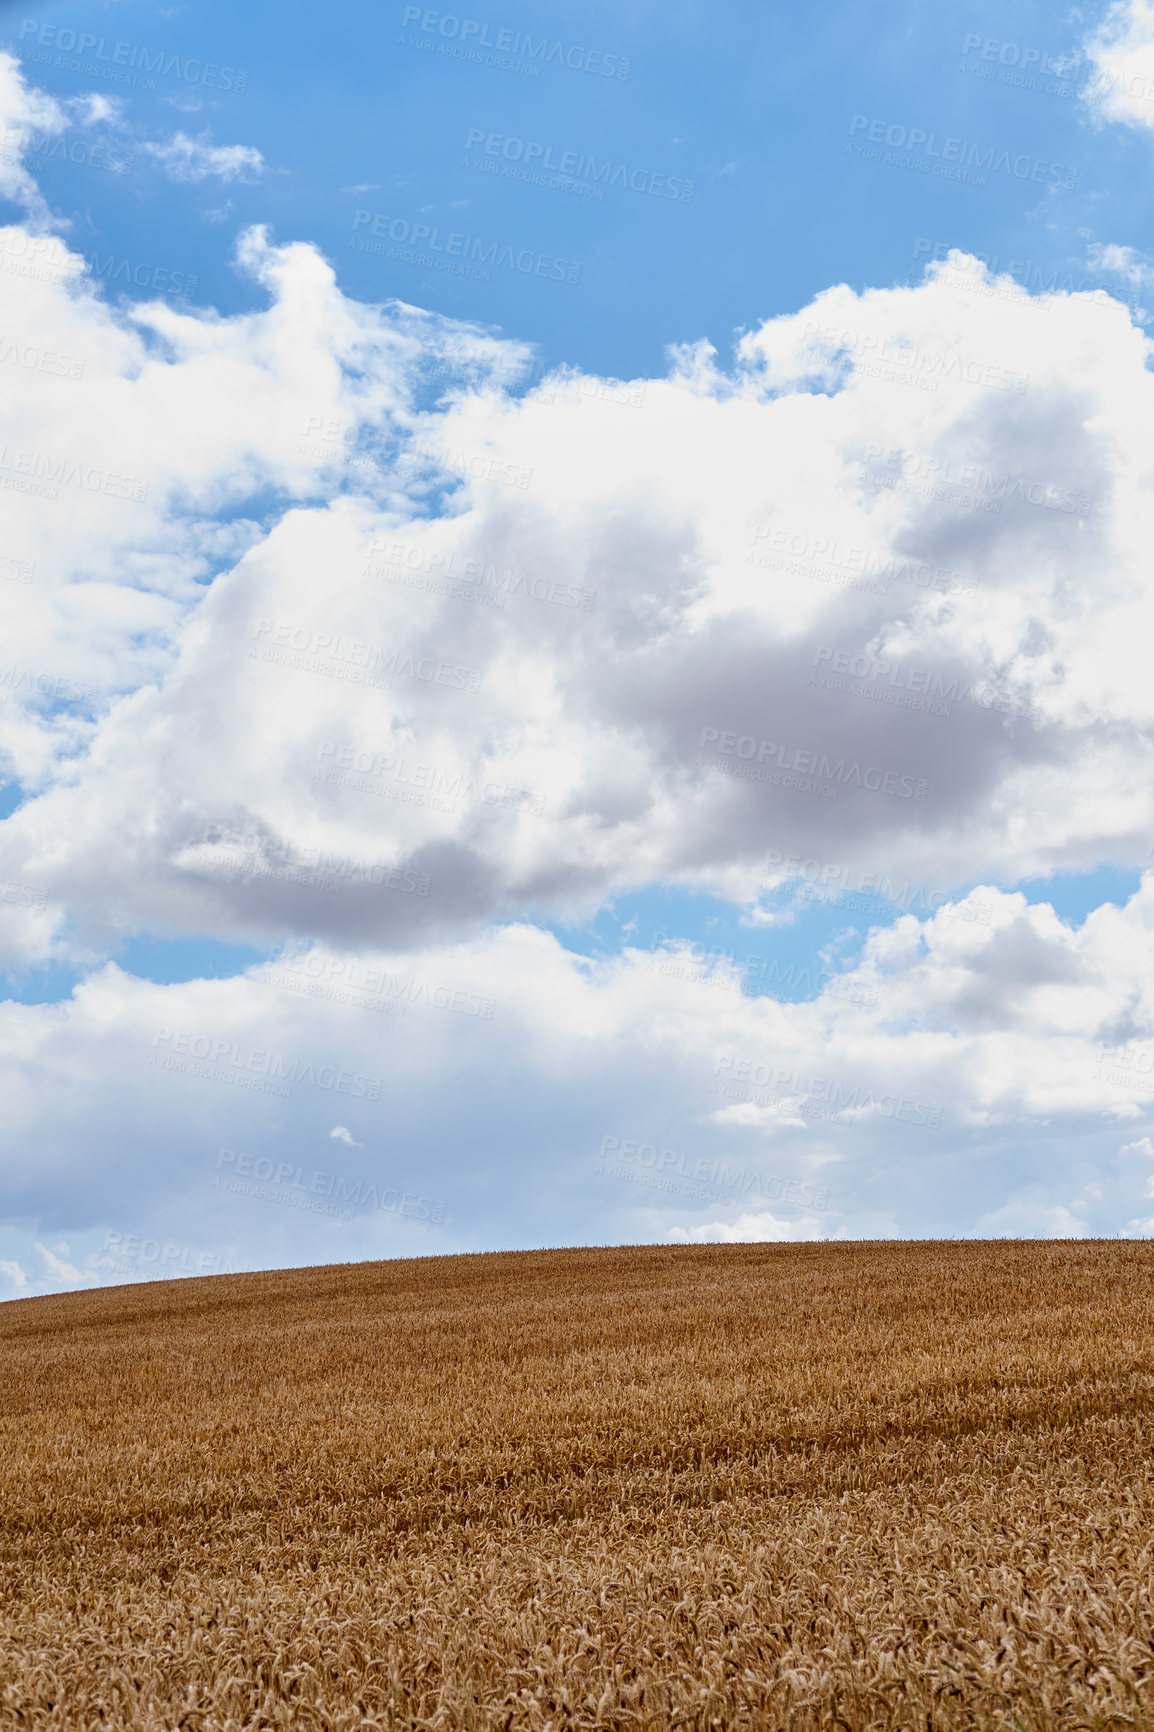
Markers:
(787, 961)
(168, 961)
(165, 961)
(1074, 895)
(792, 959)
(653, 270)
(809, 937)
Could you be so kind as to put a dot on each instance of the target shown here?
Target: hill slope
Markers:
(705, 1485)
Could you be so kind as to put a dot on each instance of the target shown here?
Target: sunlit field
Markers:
(856, 1485)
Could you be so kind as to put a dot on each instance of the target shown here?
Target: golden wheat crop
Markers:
(705, 1486)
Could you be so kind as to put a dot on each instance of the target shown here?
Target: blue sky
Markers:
(752, 105)
(826, 275)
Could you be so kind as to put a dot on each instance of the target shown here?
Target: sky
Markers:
(576, 604)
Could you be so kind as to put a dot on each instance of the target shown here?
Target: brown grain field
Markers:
(884, 1485)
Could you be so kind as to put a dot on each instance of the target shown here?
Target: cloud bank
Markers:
(329, 635)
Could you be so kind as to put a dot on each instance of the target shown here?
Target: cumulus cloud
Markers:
(328, 635)
(116, 543)
(570, 641)
(1121, 54)
(194, 159)
(876, 591)
(25, 112)
(590, 1096)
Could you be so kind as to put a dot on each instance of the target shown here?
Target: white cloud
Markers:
(93, 107)
(585, 1095)
(1121, 53)
(56, 1265)
(1025, 1219)
(444, 663)
(685, 562)
(748, 1229)
(1124, 262)
(195, 159)
(25, 112)
(15, 1274)
(776, 1117)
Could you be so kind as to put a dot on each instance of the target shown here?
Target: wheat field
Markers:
(856, 1485)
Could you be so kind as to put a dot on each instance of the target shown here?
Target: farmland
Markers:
(855, 1485)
